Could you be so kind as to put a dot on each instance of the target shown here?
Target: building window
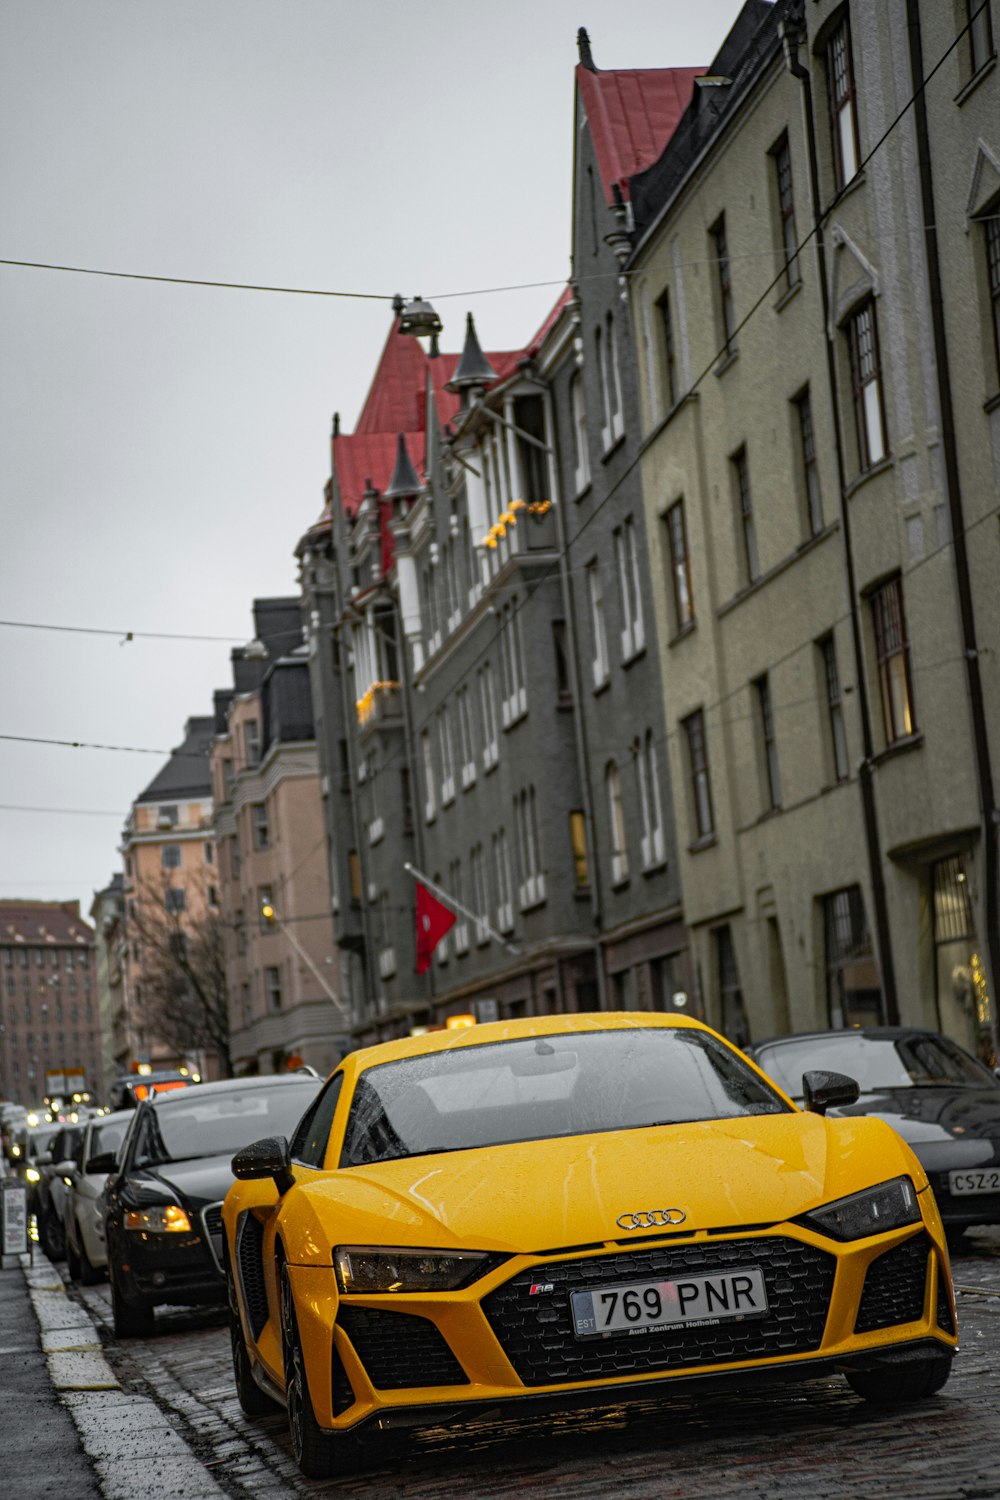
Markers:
(782, 157)
(980, 34)
(430, 803)
(488, 704)
(991, 234)
(866, 380)
(727, 314)
(261, 827)
(653, 843)
(578, 844)
(251, 741)
(480, 893)
(167, 817)
(532, 889)
(808, 465)
(733, 1016)
(769, 746)
(670, 391)
(616, 818)
(501, 866)
(893, 655)
(834, 709)
(963, 1001)
(843, 108)
(581, 451)
(209, 852)
(466, 742)
(747, 525)
(617, 413)
(354, 876)
(447, 757)
(175, 900)
(227, 780)
(272, 988)
(595, 588)
(854, 996)
(564, 693)
(602, 375)
(265, 897)
(680, 567)
(514, 701)
(629, 590)
(701, 785)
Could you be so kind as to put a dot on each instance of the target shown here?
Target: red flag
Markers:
(433, 921)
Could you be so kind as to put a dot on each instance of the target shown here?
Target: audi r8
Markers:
(572, 1210)
(938, 1097)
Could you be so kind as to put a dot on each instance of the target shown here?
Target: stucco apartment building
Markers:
(283, 970)
(823, 511)
(49, 1015)
(168, 854)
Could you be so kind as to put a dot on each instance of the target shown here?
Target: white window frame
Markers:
(617, 407)
(430, 804)
(633, 636)
(581, 468)
(501, 864)
(601, 664)
(488, 702)
(616, 824)
(447, 749)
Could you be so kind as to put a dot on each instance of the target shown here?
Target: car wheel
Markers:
(73, 1263)
(254, 1401)
(894, 1384)
(132, 1320)
(53, 1237)
(318, 1454)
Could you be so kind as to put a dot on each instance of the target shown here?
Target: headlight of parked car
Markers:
(367, 1268)
(32, 1175)
(163, 1219)
(876, 1210)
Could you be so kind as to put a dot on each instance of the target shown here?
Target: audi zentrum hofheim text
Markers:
(572, 1210)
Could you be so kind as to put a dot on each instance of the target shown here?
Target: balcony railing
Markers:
(379, 702)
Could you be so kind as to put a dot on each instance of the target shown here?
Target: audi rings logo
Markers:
(652, 1218)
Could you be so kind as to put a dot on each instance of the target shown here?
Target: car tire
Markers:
(319, 1454)
(73, 1265)
(132, 1320)
(52, 1237)
(253, 1401)
(894, 1384)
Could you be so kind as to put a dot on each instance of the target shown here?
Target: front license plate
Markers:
(978, 1180)
(642, 1306)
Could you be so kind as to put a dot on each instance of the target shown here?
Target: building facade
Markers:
(826, 606)
(51, 1020)
(283, 971)
(107, 912)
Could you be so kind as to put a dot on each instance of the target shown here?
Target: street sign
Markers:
(14, 1218)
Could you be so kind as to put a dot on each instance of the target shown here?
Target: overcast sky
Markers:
(162, 448)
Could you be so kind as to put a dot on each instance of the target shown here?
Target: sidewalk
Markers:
(69, 1429)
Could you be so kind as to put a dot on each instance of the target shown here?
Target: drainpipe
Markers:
(790, 37)
(989, 818)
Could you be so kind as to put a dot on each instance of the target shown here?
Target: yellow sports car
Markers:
(572, 1210)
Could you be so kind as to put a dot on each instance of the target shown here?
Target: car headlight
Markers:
(876, 1210)
(32, 1175)
(165, 1219)
(369, 1268)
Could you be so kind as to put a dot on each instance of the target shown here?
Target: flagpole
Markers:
(269, 914)
(457, 906)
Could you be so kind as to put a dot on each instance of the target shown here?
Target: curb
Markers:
(117, 1428)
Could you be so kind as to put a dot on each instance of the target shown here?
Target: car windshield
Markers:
(497, 1093)
(875, 1062)
(202, 1122)
(39, 1141)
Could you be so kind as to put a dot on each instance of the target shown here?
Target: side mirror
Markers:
(102, 1165)
(822, 1091)
(266, 1158)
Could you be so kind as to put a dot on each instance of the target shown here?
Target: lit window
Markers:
(578, 844)
(866, 379)
(893, 655)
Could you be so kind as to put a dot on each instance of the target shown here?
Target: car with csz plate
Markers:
(570, 1211)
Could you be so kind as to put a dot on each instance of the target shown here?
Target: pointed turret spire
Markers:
(583, 45)
(473, 369)
(404, 484)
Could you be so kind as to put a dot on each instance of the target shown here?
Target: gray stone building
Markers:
(823, 507)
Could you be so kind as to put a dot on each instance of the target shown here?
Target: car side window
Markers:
(313, 1131)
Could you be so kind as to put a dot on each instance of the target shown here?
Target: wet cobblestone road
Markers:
(816, 1442)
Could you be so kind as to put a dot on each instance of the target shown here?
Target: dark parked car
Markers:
(163, 1201)
(51, 1188)
(944, 1104)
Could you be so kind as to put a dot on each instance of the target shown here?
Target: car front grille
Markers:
(400, 1350)
(536, 1332)
(894, 1287)
(249, 1250)
(945, 1320)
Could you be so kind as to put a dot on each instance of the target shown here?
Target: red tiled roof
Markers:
(43, 922)
(632, 113)
(395, 401)
(360, 456)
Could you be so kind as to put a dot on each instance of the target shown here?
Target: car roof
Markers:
(881, 1033)
(573, 1024)
(230, 1086)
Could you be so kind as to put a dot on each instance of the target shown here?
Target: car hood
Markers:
(207, 1179)
(571, 1191)
(944, 1126)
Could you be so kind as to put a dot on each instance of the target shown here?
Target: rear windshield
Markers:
(539, 1087)
(874, 1062)
(201, 1123)
(105, 1138)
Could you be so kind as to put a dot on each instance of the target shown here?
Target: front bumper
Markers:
(405, 1359)
(178, 1269)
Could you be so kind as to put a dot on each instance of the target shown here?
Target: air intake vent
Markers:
(400, 1350)
(249, 1251)
(894, 1287)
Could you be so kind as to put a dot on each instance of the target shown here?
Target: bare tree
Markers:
(184, 997)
